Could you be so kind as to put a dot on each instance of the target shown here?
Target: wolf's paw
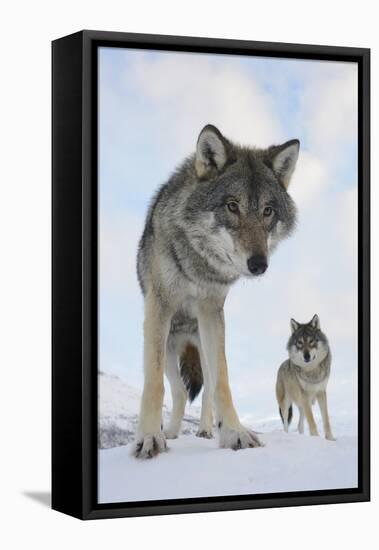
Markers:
(330, 437)
(238, 439)
(148, 446)
(207, 434)
(171, 434)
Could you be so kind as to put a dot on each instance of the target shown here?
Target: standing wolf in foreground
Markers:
(304, 376)
(217, 218)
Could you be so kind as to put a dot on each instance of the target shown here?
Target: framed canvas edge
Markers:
(67, 364)
(87, 506)
(217, 45)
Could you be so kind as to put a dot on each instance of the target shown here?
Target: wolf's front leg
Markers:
(323, 404)
(150, 439)
(179, 394)
(206, 418)
(307, 408)
(212, 334)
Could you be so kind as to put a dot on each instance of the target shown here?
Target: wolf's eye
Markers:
(233, 206)
(299, 344)
(267, 211)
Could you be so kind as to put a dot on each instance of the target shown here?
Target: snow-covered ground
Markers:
(195, 467)
(118, 413)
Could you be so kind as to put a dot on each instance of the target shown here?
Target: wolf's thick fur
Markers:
(218, 218)
(304, 376)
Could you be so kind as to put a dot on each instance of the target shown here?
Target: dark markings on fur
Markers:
(190, 371)
(272, 151)
(151, 453)
(290, 413)
(205, 434)
(209, 154)
(148, 234)
(154, 451)
(237, 445)
(181, 323)
(219, 425)
(179, 264)
(307, 333)
(286, 164)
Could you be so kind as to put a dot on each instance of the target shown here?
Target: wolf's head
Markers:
(307, 345)
(240, 198)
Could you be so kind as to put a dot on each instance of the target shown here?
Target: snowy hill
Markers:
(196, 467)
(118, 413)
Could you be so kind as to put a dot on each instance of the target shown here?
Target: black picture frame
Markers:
(74, 273)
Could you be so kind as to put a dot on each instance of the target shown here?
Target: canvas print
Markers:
(227, 250)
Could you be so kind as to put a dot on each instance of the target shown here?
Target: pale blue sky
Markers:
(152, 106)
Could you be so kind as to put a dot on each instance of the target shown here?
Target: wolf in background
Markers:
(304, 376)
(218, 218)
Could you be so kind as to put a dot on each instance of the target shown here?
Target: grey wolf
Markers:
(304, 376)
(218, 218)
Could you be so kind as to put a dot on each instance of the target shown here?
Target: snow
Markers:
(118, 413)
(195, 467)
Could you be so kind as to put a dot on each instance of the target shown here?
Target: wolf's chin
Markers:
(256, 276)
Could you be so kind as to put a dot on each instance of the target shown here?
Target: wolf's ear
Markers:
(283, 160)
(294, 325)
(315, 322)
(213, 151)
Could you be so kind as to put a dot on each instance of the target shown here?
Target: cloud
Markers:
(347, 221)
(119, 237)
(309, 180)
(120, 298)
(162, 101)
(191, 90)
(329, 107)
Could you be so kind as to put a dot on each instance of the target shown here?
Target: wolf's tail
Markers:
(191, 371)
(290, 412)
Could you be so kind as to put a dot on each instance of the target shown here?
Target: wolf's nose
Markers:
(257, 264)
(307, 356)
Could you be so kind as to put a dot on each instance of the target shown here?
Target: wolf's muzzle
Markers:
(257, 265)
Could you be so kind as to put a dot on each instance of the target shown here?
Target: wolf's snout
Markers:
(257, 264)
(307, 356)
